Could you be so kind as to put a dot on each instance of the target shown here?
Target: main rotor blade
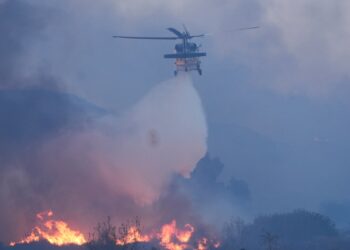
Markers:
(148, 37)
(248, 28)
(201, 35)
(176, 32)
(185, 28)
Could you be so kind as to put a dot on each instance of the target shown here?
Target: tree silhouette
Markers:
(270, 240)
(104, 236)
(128, 233)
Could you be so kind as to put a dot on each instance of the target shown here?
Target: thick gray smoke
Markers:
(110, 166)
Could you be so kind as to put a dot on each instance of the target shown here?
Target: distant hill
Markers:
(30, 115)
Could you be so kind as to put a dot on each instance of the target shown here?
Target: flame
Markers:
(133, 235)
(170, 237)
(202, 244)
(216, 244)
(56, 232)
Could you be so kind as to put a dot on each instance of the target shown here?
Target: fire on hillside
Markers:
(169, 236)
(56, 232)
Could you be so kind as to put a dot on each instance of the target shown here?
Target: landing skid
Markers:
(200, 72)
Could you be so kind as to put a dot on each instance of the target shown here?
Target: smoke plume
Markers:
(109, 165)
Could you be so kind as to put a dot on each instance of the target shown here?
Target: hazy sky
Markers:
(276, 98)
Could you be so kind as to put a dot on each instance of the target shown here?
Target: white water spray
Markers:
(163, 134)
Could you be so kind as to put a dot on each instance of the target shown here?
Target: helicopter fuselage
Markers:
(186, 57)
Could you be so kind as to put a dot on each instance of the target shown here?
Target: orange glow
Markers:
(134, 235)
(170, 237)
(56, 232)
(202, 244)
(216, 244)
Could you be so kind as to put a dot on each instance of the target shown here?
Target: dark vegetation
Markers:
(204, 184)
(43, 245)
(105, 235)
(298, 230)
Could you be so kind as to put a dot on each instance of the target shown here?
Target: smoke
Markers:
(116, 166)
(136, 154)
(63, 153)
(165, 133)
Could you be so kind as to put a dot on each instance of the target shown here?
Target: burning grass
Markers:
(168, 236)
(56, 232)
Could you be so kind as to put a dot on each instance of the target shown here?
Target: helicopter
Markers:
(187, 55)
